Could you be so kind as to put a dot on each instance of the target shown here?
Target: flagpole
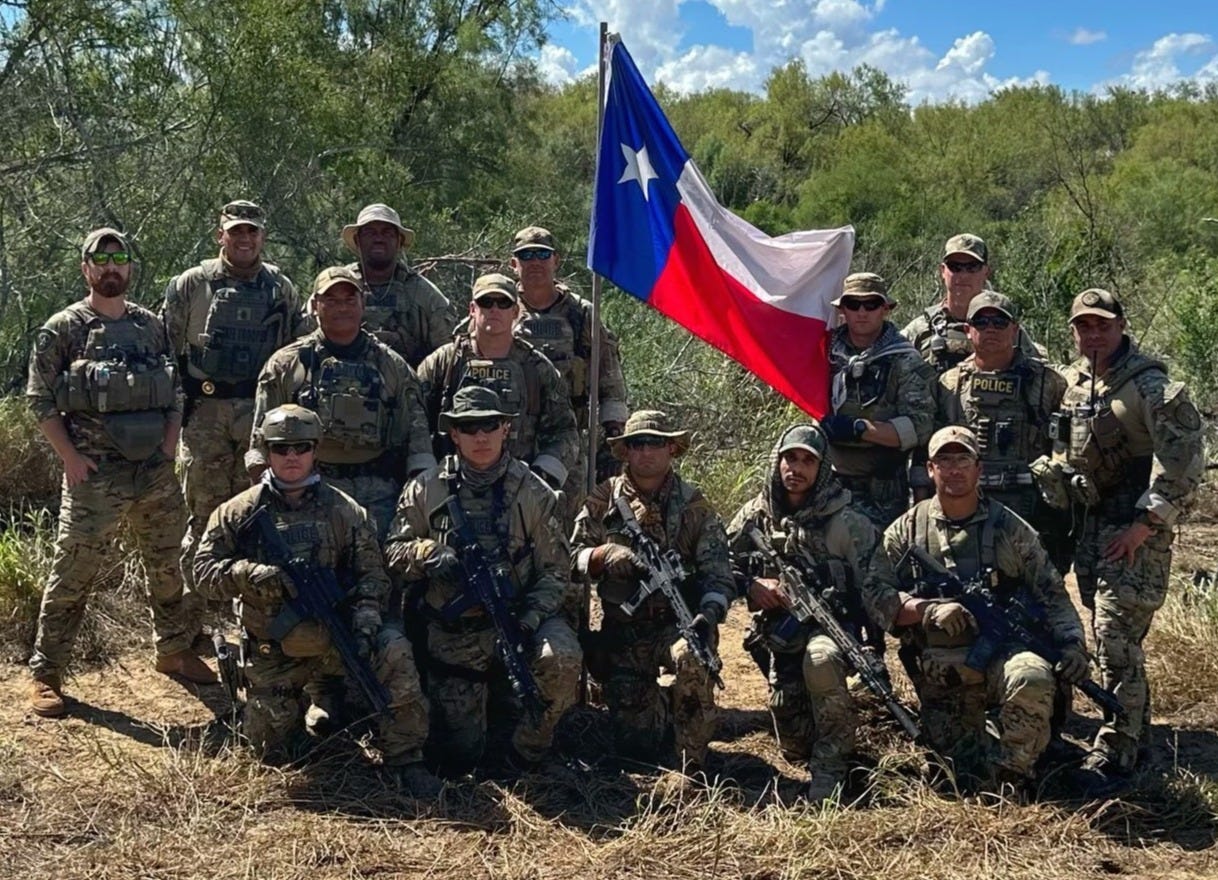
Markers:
(594, 360)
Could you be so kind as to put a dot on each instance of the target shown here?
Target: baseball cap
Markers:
(533, 236)
(953, 435)
(495, 282)
(1096, 301)
(95, 239)
(992, 299)
(336, 275)
(242, 211)
(967, 243)
(806, 437)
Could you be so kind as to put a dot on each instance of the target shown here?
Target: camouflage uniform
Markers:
(374, 432)
(943, 341)
(813, 712)
(886, 383)
(630, 649)
(1141, 450)
(326, 528)
(512, 513)
(112, 382)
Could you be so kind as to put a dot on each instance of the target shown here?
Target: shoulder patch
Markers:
(1175, 401)
(44, 340)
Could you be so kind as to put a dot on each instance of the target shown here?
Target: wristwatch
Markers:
(860, 428)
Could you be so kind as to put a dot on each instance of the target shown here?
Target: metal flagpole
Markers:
(594, 361)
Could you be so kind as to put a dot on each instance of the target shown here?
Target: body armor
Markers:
(247, 322)
(558, 335)
(350, 399)
(517, 389)
(1000, 409)
(948, 343)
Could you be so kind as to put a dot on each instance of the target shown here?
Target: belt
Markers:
(1005, 480)
(194, 388)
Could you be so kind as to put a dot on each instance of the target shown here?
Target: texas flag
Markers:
(659, 233)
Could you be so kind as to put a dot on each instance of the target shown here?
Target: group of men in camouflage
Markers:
(434, 475)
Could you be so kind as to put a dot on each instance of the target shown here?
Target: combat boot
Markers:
(826, 785)
(46, 697)
(415, 780)
(185, 664)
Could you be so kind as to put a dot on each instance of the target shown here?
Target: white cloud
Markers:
(708, 67)
(1085, 37)
(1158, 66)
(557, 65)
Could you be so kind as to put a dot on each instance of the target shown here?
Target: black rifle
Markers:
(807, 607)
(230, 671)
(314, 594)
(489, 586)
(664, 576)
(1005, 621)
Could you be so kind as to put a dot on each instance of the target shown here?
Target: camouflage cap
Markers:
(967, 243)
(808, 437)
(495, 283)
(533, 237)
(992, 299)
(97, 237)
(336, 275)
(291, 423)
(242, 211)
(862, 284)
(376, 213)
(649, 423)
(471, 403)
(953, 435)
(1096, 301)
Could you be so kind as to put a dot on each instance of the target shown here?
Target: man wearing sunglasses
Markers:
(325, 528)
(543, 434)
(374, 430)
(960, 671)
(559, 323)
(629, 650)
(940, 333)
(225, 317)
(103, 390)
(512, 515)
(403, 310)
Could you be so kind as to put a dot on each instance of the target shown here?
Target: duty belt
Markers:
(381, 466)
(195, 388)
(1006, 480)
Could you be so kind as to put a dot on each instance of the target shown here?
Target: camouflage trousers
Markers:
(647, 720)
(377, 495)
(954, 699)
(274, 715)
(814, 714)
(147, 496)
(458, 684)
(880, 499)
(1123, 599)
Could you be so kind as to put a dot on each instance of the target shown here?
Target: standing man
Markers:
(102, 388)
(940, 333)
(882, 400)
(807, 517)
(631, 649)
(1007, 400)
(559, 324)
(511, 514)
(225, 318)
(1134, 450)
(543, 433)
(374, 433)
(324, 528)
(404, 310)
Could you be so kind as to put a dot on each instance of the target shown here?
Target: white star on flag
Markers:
(638, 167)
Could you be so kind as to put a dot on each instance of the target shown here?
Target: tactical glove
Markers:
(366, 621)
(706, 624)
(619, 561)
(1074, 663)
(951, 617)
(839, 428)
(262, 586)
(442, 564)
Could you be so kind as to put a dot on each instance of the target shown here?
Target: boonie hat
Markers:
(953, 435)
(376, 213)
(862, 284)
(471, 403)
(649, 423)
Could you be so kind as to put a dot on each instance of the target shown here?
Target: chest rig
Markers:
(559, 335)
(246, 323)
(948, 343)
(387, 307)
(118, 366)
(1000, 407)
(518, 389)
(350, 398)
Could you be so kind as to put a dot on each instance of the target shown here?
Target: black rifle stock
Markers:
(314, 594)
(1007, 621)
(807, 607)
(664, 576)
(230, 671)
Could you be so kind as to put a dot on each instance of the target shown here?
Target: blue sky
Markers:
(939, 50)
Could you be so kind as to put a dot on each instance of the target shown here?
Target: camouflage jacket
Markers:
(943, 341)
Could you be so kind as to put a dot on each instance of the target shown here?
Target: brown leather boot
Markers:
(46, 697)
(187, 665)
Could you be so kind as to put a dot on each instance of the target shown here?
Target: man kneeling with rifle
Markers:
(303, 562)
(803, 555)
(965, 655)
(482, 530)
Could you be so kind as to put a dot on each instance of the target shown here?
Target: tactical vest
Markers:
(1004, 410)
(246, 323)
(871, 394)
(120, 368)
(354, 406)
(560, 338)
(384, 307)
(948, 343)
(519, 390)
(972, 563)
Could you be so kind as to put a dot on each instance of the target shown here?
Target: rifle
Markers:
(488, 585)
(1009, 620)
(665, 573)
(314, 594)
(230, 671)
(807, 607)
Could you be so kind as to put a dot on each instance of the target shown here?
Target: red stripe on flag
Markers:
(787, 351)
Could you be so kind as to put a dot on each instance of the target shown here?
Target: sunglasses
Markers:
(534, 254)
(647, 441)
(495, 302)
(984, 322)
(479, 426)
(870, 304)
(287, 448)
(969, 266)
(118, 258)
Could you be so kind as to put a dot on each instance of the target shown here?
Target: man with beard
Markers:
(807, 517)
(403, 310)
(225, 318)
(102, 387)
